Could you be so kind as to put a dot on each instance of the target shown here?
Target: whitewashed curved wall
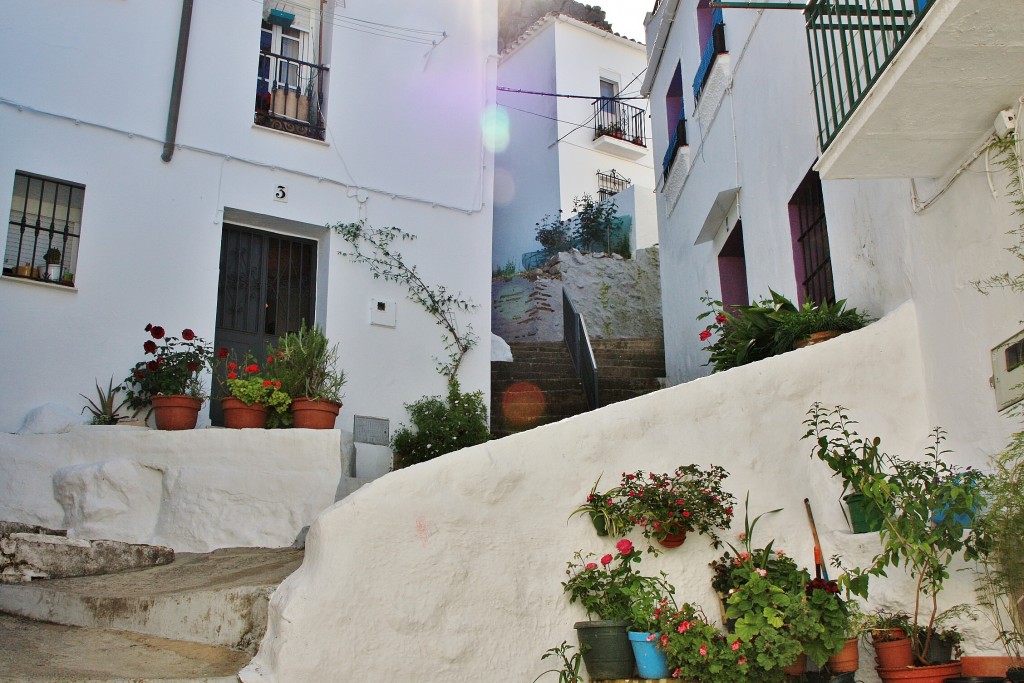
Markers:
(88, 104)
(452, 570)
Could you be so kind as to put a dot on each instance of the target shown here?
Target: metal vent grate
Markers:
(371, 430)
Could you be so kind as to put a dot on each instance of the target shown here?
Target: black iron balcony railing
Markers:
(289, 95)
(714, 47)
(610, 184)
(619, 120)
(850, 44)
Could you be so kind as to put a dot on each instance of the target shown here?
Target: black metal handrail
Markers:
(289, 95)
(619, 120)
(574, 332)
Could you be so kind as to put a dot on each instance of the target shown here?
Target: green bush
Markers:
(441, 425)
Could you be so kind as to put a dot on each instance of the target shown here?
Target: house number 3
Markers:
(281, 194)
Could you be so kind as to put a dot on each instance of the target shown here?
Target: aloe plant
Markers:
(103, 410)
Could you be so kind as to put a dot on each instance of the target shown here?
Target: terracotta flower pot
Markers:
(238, 415)
(798, 667)
(921, 674)
(176, 411)
(816, 338)
(894, 654)
(847, 659)
(314, 414)
(673, 540)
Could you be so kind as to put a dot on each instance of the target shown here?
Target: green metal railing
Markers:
(851, 42)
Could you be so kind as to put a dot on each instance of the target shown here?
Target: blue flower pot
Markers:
(650, 661)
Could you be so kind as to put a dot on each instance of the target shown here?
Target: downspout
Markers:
(179, 77)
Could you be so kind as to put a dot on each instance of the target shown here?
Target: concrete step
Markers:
(529, 370)
(630, 371)
(35, 652)
(217, 599)
(498, 386)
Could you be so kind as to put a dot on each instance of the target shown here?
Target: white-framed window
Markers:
(43, 229)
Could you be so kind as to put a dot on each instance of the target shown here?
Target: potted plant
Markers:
(606, 588)
(813, 323)
(52, 258)
(745, 334)
(699, 652)
(251, 396)
(1000, 584)
(605, 511)
(649, 601)
(103, 409)
(668, 506)
(307, 365)
(909, 493)
(169, 381)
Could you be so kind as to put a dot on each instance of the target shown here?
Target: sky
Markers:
(626, 16)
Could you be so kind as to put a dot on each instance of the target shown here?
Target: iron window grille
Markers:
(43, 229)
(610, 184)
(811, 232)
(289, 91)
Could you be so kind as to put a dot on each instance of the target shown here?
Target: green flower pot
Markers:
(864, 514)
(608, 654)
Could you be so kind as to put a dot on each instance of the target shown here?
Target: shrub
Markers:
(441, 425)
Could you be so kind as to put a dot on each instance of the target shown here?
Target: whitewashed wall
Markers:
(404, 148)
(566, 56)
(467, 578)
(761, 140)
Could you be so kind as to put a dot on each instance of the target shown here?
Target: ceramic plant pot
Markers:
(608, 655)
(314, 414)
(922, 674)
(650, 661)
(176, 412)
(239, 415)
(894, 654)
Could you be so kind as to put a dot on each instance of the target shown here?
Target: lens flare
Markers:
(495, 128)
(523, 404)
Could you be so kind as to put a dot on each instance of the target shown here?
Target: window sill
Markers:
(38, 283)
(295, 136)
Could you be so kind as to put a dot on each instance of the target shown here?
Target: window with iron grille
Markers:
(43, 229)
(810, 242)
(610, 184)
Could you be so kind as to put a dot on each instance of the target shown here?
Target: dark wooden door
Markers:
(267, 288)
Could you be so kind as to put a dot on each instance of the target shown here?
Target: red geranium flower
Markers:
(267, 383)
(232, 375)
(232, 365)
(192, 367)
(222, 352)
(187, 334)
(270, 359)
(138, 374)
(277, 385)
(253, 369)
(152, 366)
(149, 346)
(157, 332)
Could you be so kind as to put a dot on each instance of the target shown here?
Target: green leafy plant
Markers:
(307, 365)
(925, 505)
(506, 272)
(250, 384)
(441, 425)
(52, 256)
(1000, 573)
(175, 367)
(811, 318)
(375, 248)
(732, 570)
(886, 625)
(743, 334)
(1007, 156)
(103, 409)
(688, 499)
(594, 222)
(554, 234)
(570, 663)
(699, 652)
(605, 511)
(606, 588)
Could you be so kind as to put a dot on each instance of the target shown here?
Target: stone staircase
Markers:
(199, 618)
(540, 386)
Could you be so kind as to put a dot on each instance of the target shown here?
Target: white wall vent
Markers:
(371, 430)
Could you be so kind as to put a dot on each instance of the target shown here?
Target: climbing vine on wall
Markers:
(1006, 154)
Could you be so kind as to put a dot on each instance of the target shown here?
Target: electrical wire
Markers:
(551, 118)
(574, 97)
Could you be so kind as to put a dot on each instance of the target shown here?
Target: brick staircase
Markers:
(541, 386)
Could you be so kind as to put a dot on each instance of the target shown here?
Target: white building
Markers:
(907, 206)
(560, 148)
(294, 114)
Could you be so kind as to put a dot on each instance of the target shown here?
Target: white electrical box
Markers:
(383, 313)
(1005, 123)
(1008, 371)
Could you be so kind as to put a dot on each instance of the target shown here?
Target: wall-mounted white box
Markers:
(383, 312)
(1008, 370)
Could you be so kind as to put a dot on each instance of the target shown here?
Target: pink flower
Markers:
(651, 637)
(591, 565)
(625, 546)
(684, 627)
(677, 673)
(703, 650)
(762, 572)
(735, 645)
(606, 560)
(705, 335)
(741, 661)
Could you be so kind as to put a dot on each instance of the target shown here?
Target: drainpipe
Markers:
(179, 77)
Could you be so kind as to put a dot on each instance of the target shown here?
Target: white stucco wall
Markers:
(549, 163)
(467, 580)
(193, 491)
(758, 146)
(404, 147)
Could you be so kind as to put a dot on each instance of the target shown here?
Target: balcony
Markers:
(289, 95)
(619, 128)
(909, 88)
(714, 46)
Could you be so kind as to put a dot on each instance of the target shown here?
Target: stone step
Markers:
(217, 599)
(533, 370)
(629, 343)
(498, 386)
(630, 371)
(35, 652)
